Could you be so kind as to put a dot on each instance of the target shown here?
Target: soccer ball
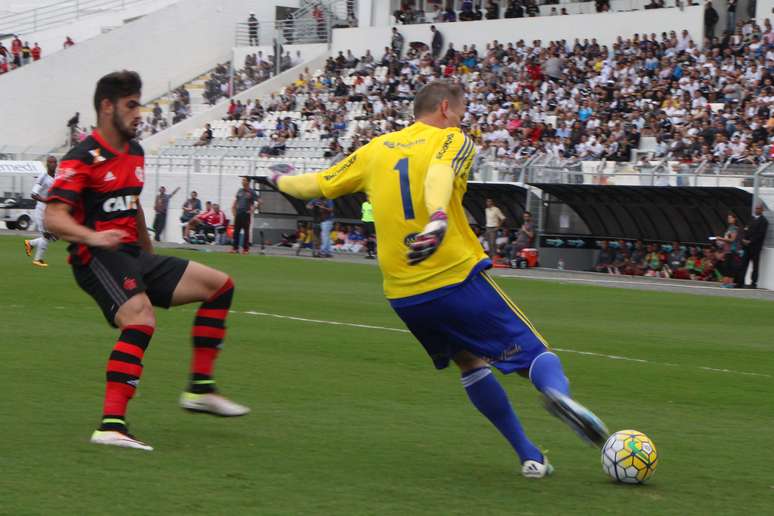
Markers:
(629, 456)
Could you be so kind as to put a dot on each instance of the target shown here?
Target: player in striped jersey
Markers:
(95, 204)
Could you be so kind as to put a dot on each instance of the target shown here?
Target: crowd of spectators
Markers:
(566, 99)
(440, 11)
(257, 68)
(19, 53)
(724, 260)
(218, 85)
(580, 99)
(410, 13)
(702, 263)
(344, 238)
(179, 109)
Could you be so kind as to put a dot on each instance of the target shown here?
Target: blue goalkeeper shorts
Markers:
(476, 316)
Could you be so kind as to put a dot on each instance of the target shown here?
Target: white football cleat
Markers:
(534, 469)
(212, 404)
(114, 438)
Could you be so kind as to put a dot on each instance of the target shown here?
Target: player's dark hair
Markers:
(431, 95)
(117, 85)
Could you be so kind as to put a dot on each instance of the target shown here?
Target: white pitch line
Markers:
(732, 371)
(319, 321)
(611, 281)
(564, 350)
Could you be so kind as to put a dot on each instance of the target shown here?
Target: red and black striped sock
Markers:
(124, 370)
(208, 333)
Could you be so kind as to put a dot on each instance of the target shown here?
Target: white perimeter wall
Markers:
(180, 41)
(763, 10)
(89, 26)
(606, 27)
(766, 271)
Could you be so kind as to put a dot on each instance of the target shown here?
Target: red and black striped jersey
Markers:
(103, 187)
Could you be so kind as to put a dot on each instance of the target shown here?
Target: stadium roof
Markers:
(687, 214)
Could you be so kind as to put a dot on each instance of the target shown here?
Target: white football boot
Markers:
(212, 404)
(115, 438)
(534, 469)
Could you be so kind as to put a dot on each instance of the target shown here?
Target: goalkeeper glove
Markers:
(277, 171)
(428, 241)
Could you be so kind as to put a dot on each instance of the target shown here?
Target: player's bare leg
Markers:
(488, 396)
(215, 290)
(137, 321)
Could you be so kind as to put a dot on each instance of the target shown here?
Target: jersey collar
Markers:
(95, 134)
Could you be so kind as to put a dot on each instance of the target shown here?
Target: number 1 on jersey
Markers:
(402, 167)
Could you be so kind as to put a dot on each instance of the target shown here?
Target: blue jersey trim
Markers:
(460, 152)
(483, 265)
(464, 158)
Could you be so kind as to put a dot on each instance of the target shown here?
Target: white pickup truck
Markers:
(16, 181)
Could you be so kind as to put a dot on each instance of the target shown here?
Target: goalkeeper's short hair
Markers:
(431, 95)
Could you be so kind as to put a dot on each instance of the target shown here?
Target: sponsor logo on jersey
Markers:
(110, 177)
(120, 203)
(133, 383)
(446, 143)
(130, 283)
(392, 145)
(98, 158)
(342, 168)
(140, 173)
(65, 174)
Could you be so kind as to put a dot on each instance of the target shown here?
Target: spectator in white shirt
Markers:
(494, 220)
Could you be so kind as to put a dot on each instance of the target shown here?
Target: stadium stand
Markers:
(660, 95)
(660, 107)
(636, 112)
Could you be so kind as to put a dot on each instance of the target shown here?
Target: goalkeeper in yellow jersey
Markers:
(435, 269)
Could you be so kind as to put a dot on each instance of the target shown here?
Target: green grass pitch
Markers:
(351, 420)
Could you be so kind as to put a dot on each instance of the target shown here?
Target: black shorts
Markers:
(368, 229)
(113, 277)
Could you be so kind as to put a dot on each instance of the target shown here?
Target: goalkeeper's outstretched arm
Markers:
(345, 177)
(304, 186)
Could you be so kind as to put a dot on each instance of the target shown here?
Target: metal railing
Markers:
(287, 32)
(248, 165)
(545, 169)
(59, 13)
(26, 153)
(338, 10)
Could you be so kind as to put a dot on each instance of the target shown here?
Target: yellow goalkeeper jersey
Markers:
(391, 169)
